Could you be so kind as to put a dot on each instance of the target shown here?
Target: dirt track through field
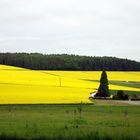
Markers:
(130, 102)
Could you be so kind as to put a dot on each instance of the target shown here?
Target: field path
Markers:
(130, 102)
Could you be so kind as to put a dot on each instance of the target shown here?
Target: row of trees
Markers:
(67, 62)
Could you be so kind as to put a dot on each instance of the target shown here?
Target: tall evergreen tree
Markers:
(103, 90)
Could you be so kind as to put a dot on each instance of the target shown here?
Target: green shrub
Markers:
(121, 95)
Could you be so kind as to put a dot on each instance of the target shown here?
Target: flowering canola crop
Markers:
(23, 86)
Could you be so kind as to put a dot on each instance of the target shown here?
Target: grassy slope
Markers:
(52, 120)
(127, 84)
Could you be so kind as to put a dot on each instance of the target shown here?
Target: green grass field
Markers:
(69, 122)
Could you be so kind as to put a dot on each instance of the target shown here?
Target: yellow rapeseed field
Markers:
(18, 85)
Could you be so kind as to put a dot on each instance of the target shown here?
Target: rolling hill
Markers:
(24, 86)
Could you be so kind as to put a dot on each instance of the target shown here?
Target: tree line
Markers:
(38, 61)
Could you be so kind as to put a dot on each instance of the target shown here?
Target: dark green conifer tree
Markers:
(103, 90)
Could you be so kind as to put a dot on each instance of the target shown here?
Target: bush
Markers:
(121, 95)
(135, 97)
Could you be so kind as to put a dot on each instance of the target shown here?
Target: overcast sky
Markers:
(84, 27)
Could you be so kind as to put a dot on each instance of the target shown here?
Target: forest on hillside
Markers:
(38, 61)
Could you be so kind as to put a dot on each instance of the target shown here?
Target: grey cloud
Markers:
(84, 27)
